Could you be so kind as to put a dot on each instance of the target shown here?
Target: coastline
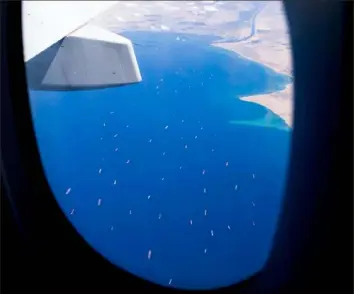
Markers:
(262, 38)
(278, 68)
(280, 102)
(270, 50)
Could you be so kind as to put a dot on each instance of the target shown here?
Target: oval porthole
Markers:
(173, 165)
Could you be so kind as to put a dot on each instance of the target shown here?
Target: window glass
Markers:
(177, 178)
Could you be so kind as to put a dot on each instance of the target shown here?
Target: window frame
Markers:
(47, 230)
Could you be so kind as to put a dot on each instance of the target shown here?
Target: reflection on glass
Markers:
(179, 178)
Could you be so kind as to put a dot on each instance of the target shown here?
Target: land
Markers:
(253, 29)
(279, 102)
(270, 46)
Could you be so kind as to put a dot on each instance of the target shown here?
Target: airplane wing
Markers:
(63, 51)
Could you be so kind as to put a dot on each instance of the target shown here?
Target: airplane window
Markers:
(164, 130)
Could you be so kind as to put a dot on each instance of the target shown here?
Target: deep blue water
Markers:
(192, 88)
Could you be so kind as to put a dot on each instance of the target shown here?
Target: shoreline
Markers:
(276, 102)
(279, 102)
(263, 40)
(277, 69)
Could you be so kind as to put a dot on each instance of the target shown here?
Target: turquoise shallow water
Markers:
(213, 165)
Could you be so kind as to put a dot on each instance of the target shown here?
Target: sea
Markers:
(159, 177)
